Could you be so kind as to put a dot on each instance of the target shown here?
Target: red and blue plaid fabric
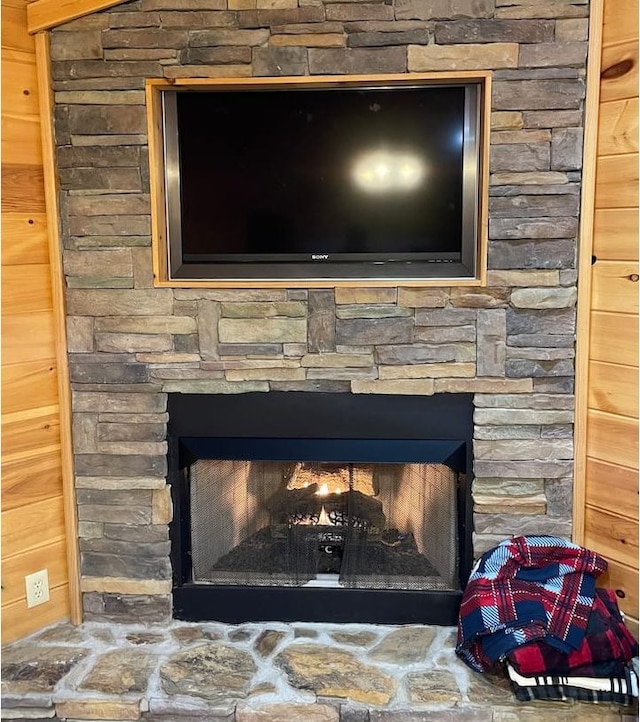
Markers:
(605, 651)
(527, 588)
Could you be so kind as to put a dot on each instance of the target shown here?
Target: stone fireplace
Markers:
(320, 507)
(508, 345)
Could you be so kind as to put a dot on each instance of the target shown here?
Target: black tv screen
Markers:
(372, 181)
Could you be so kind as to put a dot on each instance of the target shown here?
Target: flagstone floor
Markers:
(268, 672)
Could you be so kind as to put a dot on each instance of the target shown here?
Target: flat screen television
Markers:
(376, 179)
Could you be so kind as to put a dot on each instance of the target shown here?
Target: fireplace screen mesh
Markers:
(370, 526)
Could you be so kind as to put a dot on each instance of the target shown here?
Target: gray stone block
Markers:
(100, 179)
(136, 534)
(357, 332)
(84, 45)
(494, 31)
(106, 119)
(318, 385)
(424, 353)
(443, 9)
(553, 55)
(131, 432)
(538, 95)
(157, 302)
(554, 385)
(215, 56)
(491, 343)
(566, 149)
(301, 20)
(535, 206)
(93, 69)
(148, 37)
(526, 368)
(108, 373)
(376, 39)
(117, 204)
(520, 157)
(120, 465)
(280, 61)
(322, 321)
(445, 317)
(126, 608)
(521, 228)
(552, 118)
(560, 322)
(522, 254)
(357, 60)
(70, 156)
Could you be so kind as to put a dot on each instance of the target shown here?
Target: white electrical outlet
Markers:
(37, 585)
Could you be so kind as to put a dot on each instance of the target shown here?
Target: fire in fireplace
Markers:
(321, 523)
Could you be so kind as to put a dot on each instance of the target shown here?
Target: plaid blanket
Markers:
(620, 689)
(527, 588)
(605, 650)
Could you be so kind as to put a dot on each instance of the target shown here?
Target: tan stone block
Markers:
(98, 709)
(120, 482)
(507, 120)
(264, 309)
(422, 297)
(312, 40)
(534, 178)
(266, 374)
(335, 360)
(215, 386)
(276, 4)
(242, 4)
(267, 330)
(428, 371)
(207, 71)
(523, 278)
(366, 295)
(287, 712)
(121, 585)
(161, 506)
(420, 387)
(488, 56)
(520, 136)
(168, 358)
(483, 504)
(572, 30)
(544, 297)
(513, 386)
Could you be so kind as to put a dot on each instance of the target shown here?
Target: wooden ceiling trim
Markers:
(47, 14)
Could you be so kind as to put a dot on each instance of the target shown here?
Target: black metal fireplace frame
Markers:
(379, 428)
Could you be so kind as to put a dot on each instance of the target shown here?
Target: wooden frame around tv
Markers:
(160, 251)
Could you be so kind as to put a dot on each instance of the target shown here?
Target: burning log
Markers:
(304, 506)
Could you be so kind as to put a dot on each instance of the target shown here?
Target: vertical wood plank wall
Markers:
(33, 527)
(611, 467)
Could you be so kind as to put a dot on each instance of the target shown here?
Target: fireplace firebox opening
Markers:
(320, 507)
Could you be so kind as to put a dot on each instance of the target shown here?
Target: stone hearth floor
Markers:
(267, 672)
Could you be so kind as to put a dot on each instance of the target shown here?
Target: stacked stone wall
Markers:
(510, 343)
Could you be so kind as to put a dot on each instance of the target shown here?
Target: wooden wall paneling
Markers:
(613, 388)
(30, 480)
(614, 338)
(614, 536)
(616, 234)
(612, 438)
(33, 530)
(43, 60)
(14, 568)
(29, 384)
(614, 288)
(28, 234)
(618, 127)
(620, 70)
(22, 188)
(20, 84)
(612, 487)
(617, 185)
(620, 22)
(26, 289)
(624, 580)
(24, 621)
(27, 337)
